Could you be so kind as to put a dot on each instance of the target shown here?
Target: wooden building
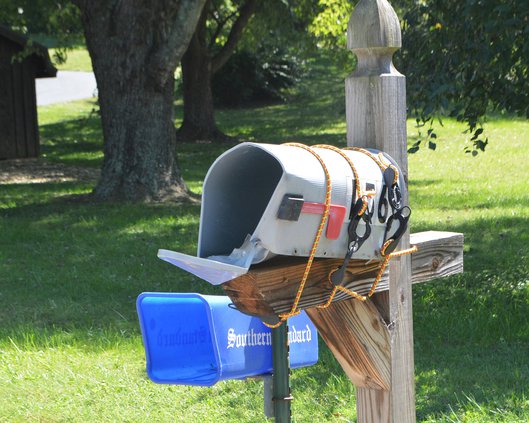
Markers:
(19, 135)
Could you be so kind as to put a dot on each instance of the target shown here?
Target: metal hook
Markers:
(402, 215)
(383, 205)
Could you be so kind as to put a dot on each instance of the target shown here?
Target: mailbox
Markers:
(193, 339)
(262, 200)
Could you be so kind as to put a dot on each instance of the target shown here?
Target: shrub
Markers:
(256, 77)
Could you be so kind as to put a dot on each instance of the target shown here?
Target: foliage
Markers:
(274, 23)
(281, 23)
(256, 77)
(43, 16)
(465, 59)
(55, 23)
(12, 15)
(57, 18)
(329, 24)
(462, 59)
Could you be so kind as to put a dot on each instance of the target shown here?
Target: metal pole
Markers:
(281, 375)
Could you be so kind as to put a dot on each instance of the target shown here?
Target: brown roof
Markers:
(45, 68)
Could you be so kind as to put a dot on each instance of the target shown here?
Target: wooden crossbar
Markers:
(267, 289)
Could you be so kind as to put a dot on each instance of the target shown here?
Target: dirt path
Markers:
(35, 171)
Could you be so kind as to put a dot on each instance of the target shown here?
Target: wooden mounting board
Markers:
(268, 289)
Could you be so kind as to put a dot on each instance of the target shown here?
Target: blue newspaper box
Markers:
(193, 339)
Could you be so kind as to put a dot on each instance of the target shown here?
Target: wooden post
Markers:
(372, 340)
(376, 118)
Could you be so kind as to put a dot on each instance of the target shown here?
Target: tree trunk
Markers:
(135, 47)
(199, 117)
(198, 68)
(140, 161)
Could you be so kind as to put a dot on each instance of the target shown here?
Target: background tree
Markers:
(217, 33)
(135, 47)
(466, 59)
(268, 32)
(271, 57)
(462, 58)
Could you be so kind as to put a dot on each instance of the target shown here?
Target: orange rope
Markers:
(380, 273)
(359, 194)
(294, 310)
(358, 189)
(382, 163)
(368, 153)
(379, 159)
(386, 260)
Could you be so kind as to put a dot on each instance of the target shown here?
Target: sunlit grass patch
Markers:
(77, 59)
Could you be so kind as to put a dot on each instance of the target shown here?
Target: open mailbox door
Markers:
(212, 271)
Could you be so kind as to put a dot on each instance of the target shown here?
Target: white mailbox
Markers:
(262, 200)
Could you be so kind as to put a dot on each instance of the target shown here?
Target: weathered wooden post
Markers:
(373, 339)
(376, 118)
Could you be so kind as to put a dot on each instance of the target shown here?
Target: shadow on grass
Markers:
(79, 267)
(276, 124)
(77, 142)
(452, 379)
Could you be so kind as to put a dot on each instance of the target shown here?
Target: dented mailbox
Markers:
(262, 200)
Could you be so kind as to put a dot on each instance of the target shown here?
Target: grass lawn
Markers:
(77, 59)
(70, 347)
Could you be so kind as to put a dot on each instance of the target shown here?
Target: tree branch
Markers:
(220, 26)
(247, 11)
(165, 58)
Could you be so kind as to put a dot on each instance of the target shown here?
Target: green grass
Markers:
(71, 133)
(77, 59)
(70, 347)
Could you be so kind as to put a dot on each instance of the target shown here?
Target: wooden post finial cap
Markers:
(373, 24)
